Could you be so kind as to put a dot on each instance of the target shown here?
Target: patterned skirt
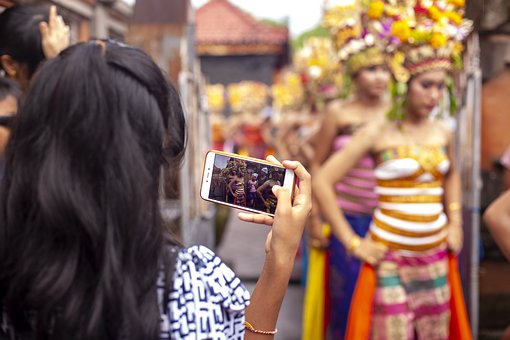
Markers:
(412, 298)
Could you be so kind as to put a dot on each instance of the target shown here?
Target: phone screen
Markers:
(244, 183)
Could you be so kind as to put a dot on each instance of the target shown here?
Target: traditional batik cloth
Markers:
(413, 293)
(355, 195)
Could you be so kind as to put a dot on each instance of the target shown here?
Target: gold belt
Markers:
(400, 246)
(403, 183)
(385, 226)
(409, 217)
(410, 199)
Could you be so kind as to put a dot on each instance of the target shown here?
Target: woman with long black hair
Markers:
(83, 250)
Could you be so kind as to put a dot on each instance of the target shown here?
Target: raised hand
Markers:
(54, 34)
(290, 216)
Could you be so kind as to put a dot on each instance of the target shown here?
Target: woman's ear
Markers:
(10, 66)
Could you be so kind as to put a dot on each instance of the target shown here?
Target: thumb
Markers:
(283, 197)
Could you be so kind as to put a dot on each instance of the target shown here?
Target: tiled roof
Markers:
(220, 22)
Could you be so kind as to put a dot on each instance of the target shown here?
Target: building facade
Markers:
(234, 46)
(89, 18)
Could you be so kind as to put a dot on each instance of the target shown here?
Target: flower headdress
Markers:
(247, 96)
(357, 48)
(288, 92)
(320, 69)
(216, 97)
(421, 35)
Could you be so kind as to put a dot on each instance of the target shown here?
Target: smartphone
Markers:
(243, 182)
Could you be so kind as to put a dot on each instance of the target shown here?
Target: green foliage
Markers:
(454, 106)
(398, 95)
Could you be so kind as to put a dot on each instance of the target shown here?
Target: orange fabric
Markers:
(459, 322)
(359, 323)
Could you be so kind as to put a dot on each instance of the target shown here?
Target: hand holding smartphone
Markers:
(243, 182)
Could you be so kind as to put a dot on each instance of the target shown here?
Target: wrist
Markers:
(353, 244)
(454, 223)
(279, 262)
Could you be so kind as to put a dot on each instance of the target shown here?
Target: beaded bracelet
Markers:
(252, 329)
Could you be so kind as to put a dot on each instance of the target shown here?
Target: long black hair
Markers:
(8, 88)
(20, 37)
(81, 234)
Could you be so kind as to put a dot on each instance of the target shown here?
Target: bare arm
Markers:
(324, 138)
(335, 168)
(230, 187)
(497, 218)
(262, 188)
(453, 202)
(333, 171)
(281, 247)
(321, 143)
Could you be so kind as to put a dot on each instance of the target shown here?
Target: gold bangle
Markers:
(248, 326)
(454, 206)
(354, 243)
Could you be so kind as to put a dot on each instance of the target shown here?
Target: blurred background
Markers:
(246, 69)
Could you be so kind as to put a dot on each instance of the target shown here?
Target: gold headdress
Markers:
(216, 97)
(357, 47)
(247, 96)
(318, 64)
(288, 92)
(422, 34)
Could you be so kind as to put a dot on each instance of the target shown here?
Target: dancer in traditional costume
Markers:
(409, 285)
(364, 67)
(247, 127)
(216, 101)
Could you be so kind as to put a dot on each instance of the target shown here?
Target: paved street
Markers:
(242, 249)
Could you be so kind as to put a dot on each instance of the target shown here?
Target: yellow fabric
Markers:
(313, 310)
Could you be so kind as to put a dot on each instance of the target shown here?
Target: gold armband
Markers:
(454, 206)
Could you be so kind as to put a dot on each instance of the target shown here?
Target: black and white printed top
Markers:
(207, 301)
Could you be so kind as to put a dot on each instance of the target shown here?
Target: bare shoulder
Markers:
(335, 105)
(374, 128)
(443, 128)
(338, 109)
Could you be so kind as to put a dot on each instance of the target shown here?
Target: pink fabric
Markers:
(407, 301)
(359, 183)
(354, 191)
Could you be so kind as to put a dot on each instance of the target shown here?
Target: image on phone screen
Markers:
(244, 183)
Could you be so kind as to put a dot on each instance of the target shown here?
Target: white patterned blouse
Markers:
(207, 301)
